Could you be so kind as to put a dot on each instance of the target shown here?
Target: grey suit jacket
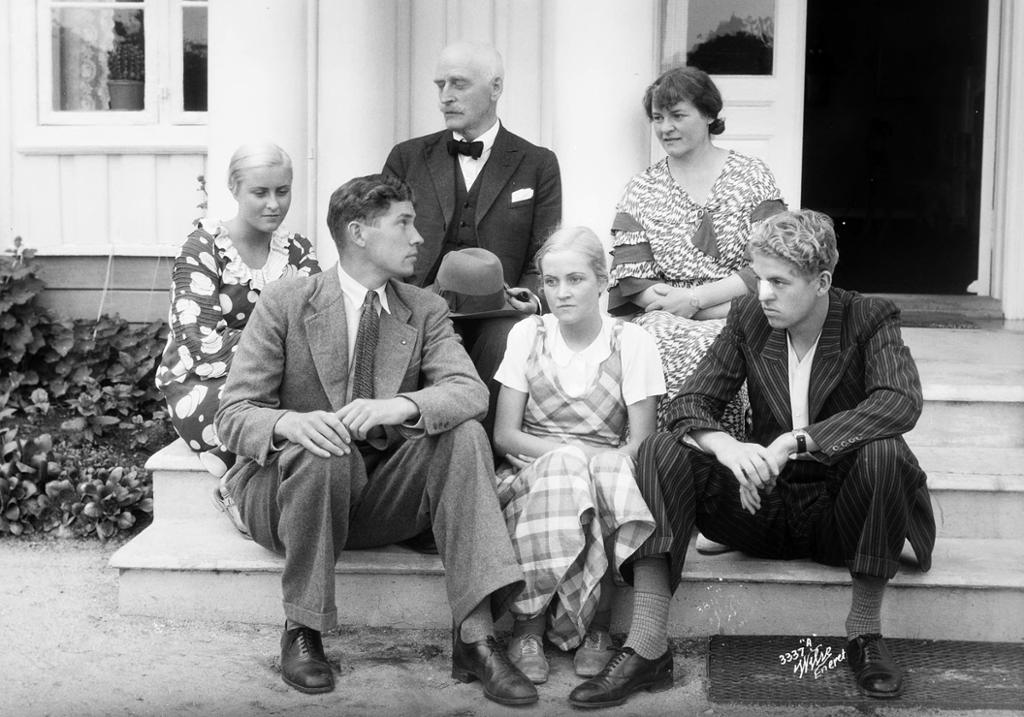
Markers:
(293, 356)
(512, 230)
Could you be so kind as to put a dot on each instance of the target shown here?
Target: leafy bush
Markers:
(81, 379)
(45, 488)
(98, 372)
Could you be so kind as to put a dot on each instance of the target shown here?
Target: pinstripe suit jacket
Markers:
(864, 384)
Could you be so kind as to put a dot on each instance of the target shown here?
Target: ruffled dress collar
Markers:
(237, 271)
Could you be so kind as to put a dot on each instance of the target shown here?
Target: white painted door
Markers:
(763, 113)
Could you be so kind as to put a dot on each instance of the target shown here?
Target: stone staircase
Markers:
(191, 563)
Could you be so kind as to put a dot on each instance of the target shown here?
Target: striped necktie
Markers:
(366, 346)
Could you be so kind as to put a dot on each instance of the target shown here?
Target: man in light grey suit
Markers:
(345, 446)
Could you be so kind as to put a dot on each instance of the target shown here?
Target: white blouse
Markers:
(642, 375)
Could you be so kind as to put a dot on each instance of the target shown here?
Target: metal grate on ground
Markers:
(791, 670)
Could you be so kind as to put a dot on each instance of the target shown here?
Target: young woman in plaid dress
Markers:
(579, 394)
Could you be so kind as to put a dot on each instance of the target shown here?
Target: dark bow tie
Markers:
(461, 146)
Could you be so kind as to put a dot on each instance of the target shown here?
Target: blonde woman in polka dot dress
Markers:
(217, 279)
(681, 229)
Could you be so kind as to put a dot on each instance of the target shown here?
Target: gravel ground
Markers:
(71, 653)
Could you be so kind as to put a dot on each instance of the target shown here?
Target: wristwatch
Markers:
(801, 441)
(694, 299)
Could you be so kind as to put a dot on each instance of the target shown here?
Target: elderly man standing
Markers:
(351, 405)
(479, 185)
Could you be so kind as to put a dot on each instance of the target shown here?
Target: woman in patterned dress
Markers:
(681, 229)
(573, 383)
(217, 278)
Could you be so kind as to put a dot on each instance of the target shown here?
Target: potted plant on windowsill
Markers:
(126, 81)
(126, 66)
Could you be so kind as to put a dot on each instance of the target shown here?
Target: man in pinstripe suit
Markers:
(825, 475)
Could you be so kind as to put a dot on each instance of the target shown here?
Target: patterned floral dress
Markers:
(560, 509)
(213, 294)
(660, 235)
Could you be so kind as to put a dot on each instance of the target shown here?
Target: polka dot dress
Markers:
(213, 295)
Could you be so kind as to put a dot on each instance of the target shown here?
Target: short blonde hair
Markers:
(252, 156)
(804, 238)
(581, 239)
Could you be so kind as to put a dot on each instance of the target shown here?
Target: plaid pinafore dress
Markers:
(560, 509)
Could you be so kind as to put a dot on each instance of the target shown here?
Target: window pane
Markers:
(194, 23)
(722, 37)
(99, 59)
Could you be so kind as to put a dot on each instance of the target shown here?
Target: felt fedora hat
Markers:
(472, 282)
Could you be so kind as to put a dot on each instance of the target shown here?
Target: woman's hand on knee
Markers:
(519, 461)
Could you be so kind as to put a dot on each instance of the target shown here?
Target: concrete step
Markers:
(973, 385)
(969, 424)
(970, 440)
(975, 590)
(976, 493)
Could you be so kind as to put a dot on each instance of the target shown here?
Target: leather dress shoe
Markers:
(593, 654)
(707, 546)
(876, 671)
(304, 665)
(527, 653)
(486, 661)
(624, 674)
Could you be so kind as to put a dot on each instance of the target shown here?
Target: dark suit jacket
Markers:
(513, 231)
(293, 355)
(864, 384)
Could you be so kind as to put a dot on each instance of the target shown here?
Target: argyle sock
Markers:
(865, 616)
(479, 624)
(648, 631)
(524, 625)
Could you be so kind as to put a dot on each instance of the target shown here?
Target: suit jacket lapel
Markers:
(394, 347)
(327, 331)
(826, 370)
(504, 159)
(773, 368)
(442, 172)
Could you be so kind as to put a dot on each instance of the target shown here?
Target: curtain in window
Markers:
(82, 38)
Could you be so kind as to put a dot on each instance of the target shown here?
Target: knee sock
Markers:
(865, 616)
(479, 624)
(524, 625)
(648, 631)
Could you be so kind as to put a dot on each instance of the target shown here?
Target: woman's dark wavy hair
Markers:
(689, 84)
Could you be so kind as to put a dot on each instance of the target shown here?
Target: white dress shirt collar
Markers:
(355, 295)
(471, 168)
(357, 292)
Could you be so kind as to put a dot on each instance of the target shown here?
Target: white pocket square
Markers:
(521, 195)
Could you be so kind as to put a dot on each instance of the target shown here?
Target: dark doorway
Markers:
(893, 105)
